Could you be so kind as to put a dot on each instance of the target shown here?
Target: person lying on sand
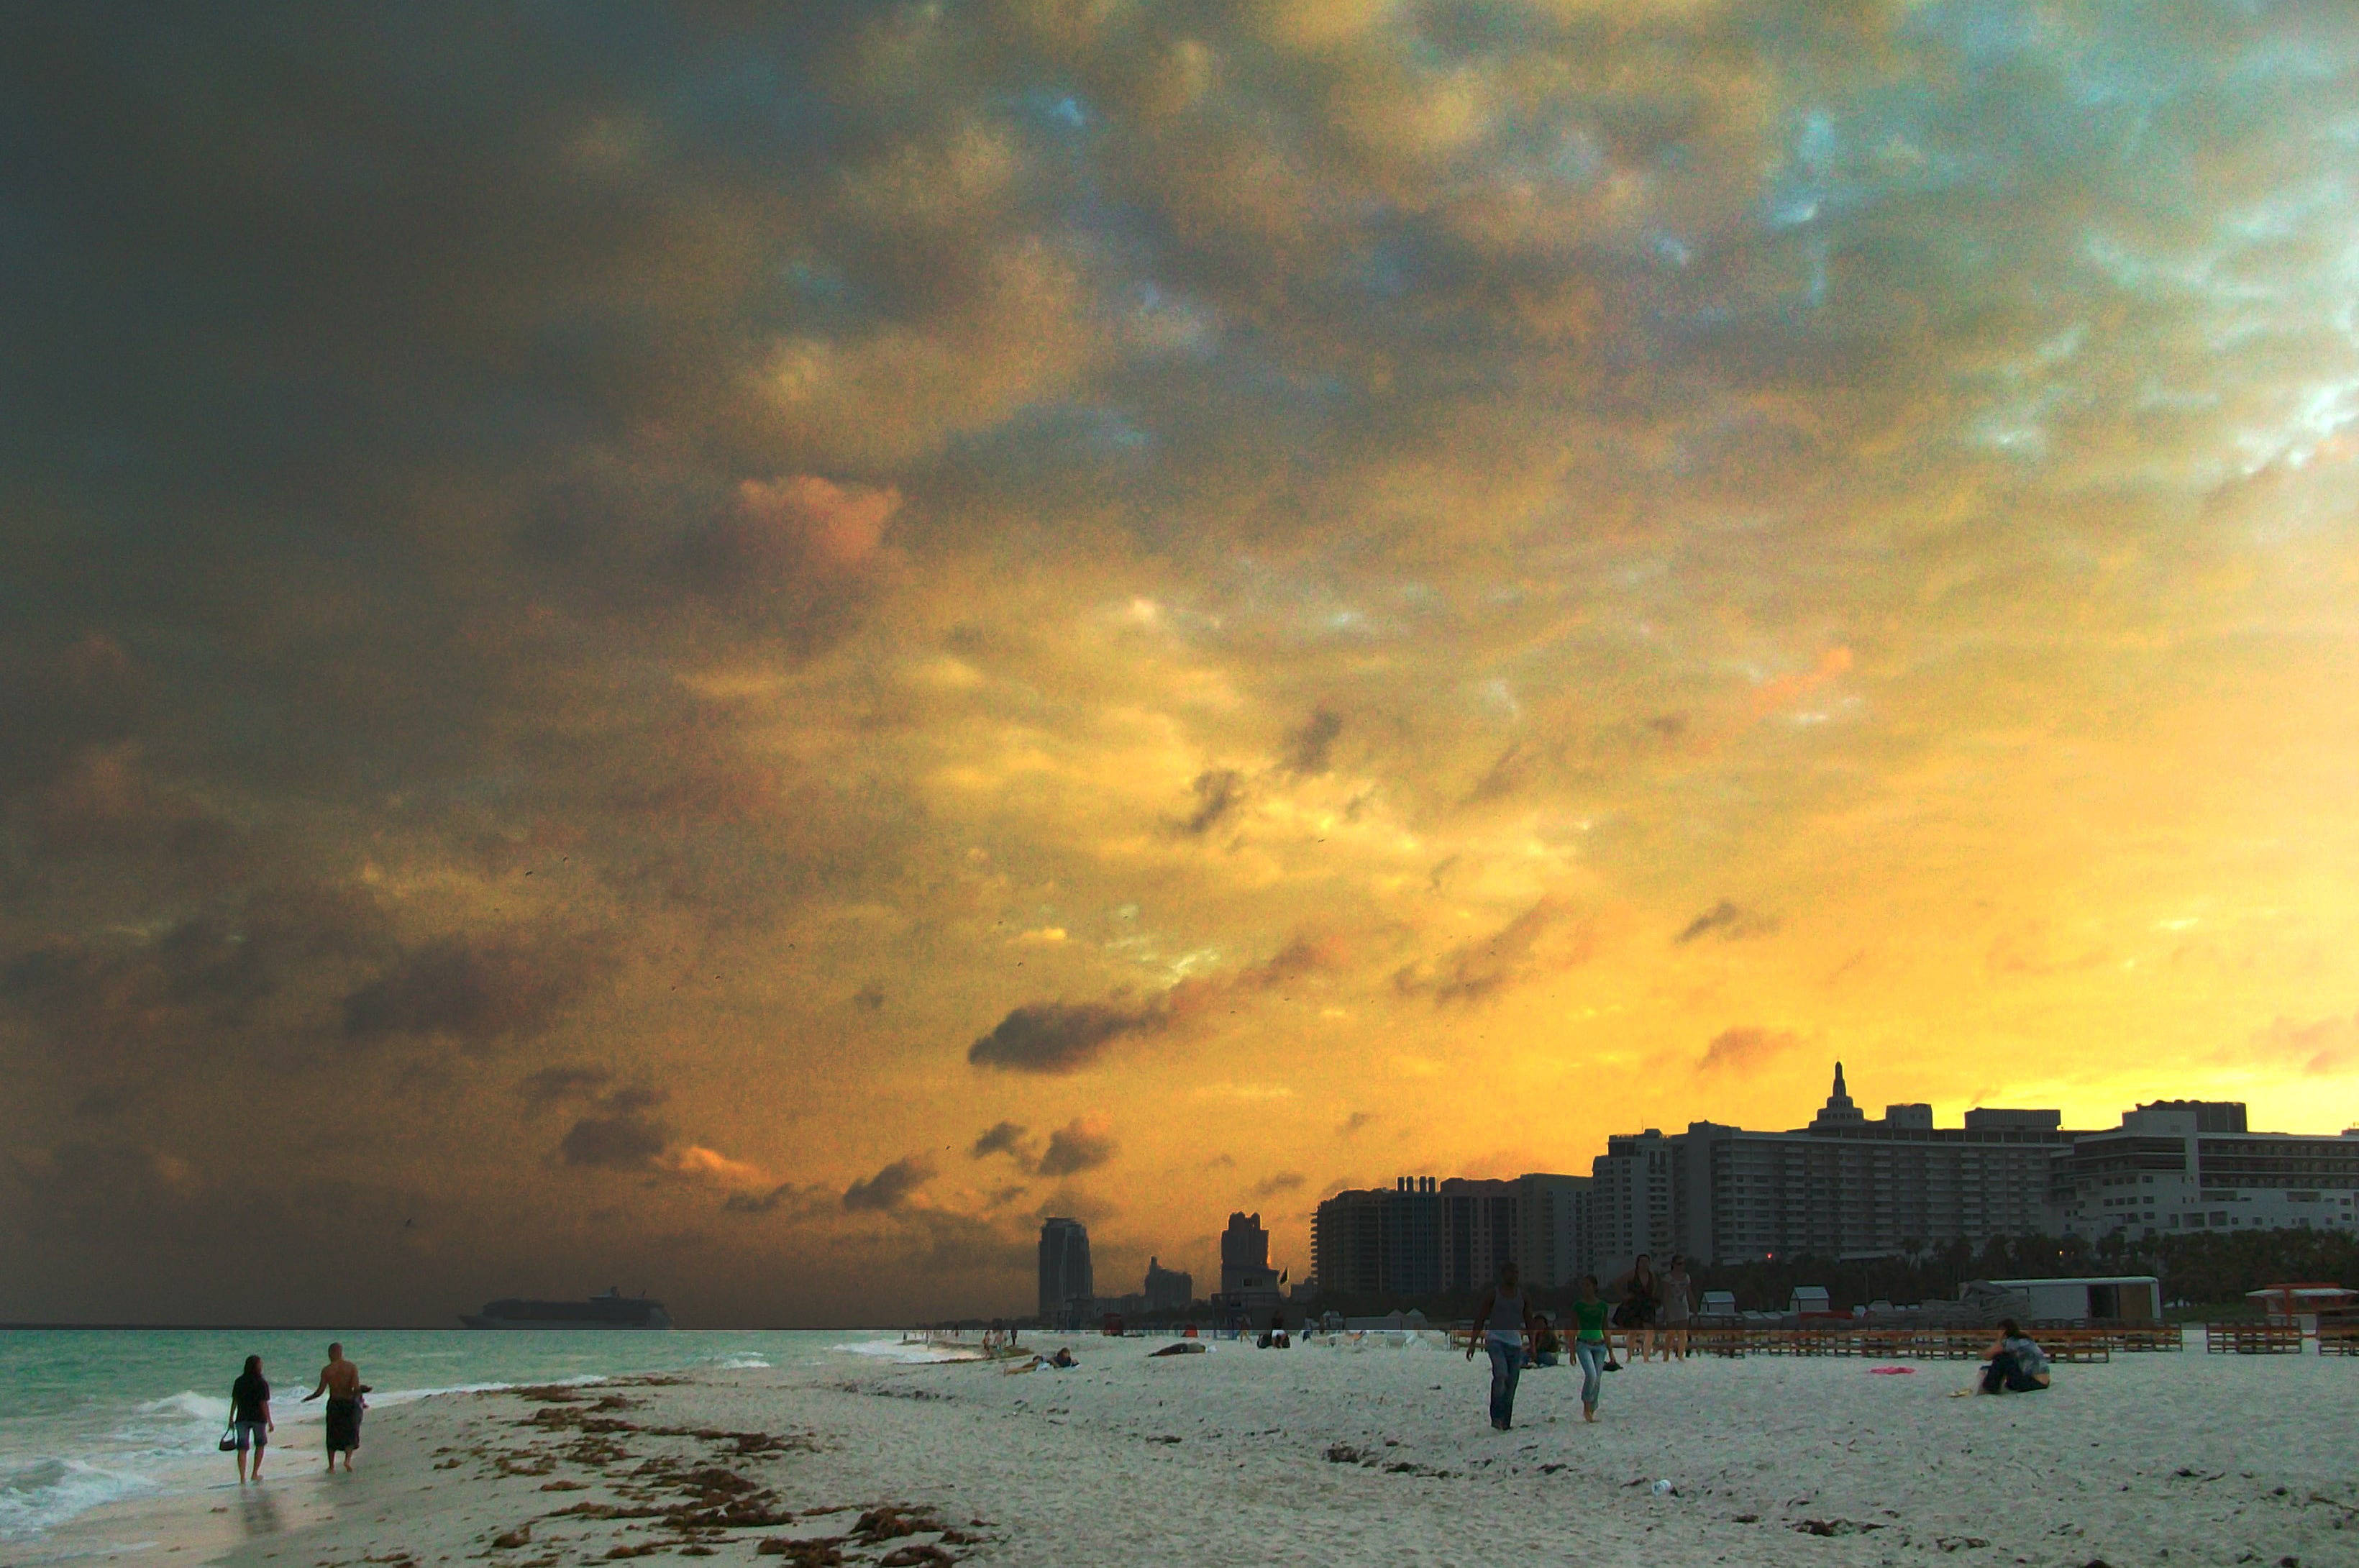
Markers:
(2015, 1364)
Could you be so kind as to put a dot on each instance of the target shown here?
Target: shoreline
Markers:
(1314, 1456)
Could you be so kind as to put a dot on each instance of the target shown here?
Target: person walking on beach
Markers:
(1641, 1298)
(249, 1416)
(1499, 1328)
(1588, 1344)
(1678, 1307)
(340, 1381)
(2015, 1365)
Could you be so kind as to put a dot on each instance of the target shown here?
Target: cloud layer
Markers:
(692, 606)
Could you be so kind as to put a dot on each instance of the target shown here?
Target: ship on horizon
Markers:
(612, 1309)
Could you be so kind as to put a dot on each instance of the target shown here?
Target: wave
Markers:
(36, 1496)
(913, 1353)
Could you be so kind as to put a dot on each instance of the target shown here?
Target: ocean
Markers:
(89, 1416)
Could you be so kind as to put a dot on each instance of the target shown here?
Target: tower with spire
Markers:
(1838, 1111)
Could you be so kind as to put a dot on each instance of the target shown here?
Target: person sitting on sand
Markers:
(1546, 1350)
(249, 1415)
(340, 1381)
(1499, 1328)
(2015, 1365)
(1589, 1344)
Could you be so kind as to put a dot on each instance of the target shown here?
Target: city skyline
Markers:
(747, 651)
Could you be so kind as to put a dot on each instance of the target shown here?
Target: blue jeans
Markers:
(1506, 1364)
(1592, 1354)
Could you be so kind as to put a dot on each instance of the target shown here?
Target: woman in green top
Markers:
(1589, 1346)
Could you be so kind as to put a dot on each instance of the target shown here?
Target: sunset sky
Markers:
(734, 649)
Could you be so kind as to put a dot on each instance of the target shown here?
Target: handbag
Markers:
(228, 1444)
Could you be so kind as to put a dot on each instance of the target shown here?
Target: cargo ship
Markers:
(612, 1309)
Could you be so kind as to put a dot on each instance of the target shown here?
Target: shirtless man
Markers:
(340, 1381)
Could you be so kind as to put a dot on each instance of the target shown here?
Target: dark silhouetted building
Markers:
(1167, 1290)
(1067, 1289)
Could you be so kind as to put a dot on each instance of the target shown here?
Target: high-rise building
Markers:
(1478, 1231)
(1419, 1237)
(1412, 1237)
(1167, 1290)
(2175, 1166)
(1552, 1229)
(1846, 1187)
(1066, 1289)
(1631, 1205)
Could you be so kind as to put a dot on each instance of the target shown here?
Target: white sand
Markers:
(2153, 1459)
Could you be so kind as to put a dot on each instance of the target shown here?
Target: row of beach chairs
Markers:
(1888, 1343)
(2079, 1344)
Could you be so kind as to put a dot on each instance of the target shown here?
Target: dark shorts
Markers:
(344, 1425)
(251, 1434)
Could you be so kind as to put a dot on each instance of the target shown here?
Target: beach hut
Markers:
(2094, 1298)
(2303, 1301)
(1718, 1304)
(1808, 1300)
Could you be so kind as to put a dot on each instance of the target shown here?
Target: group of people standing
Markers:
(250, 1423)
(1653, 1315)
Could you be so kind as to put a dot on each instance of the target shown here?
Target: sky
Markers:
(734, 651)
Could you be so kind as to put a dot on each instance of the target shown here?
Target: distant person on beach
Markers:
(340, 1381)
(249, 1416)
(1499, 1328)
(1678, 1307)
(1641, 1299)
(1589, 1344)
(2015, 1365)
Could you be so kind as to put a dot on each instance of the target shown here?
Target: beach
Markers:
(1318, 1454)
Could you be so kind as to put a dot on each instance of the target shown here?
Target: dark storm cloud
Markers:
(626, 1141)
(1001, 1137)
(890, 1188)
(473, 991)
(1219, 792)
(1727, 920)
(1543, 940)
(1076, 1147)
(1062, 1037)
(1310, 748)
(260, 955)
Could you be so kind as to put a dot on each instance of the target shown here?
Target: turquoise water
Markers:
(88, 1416)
